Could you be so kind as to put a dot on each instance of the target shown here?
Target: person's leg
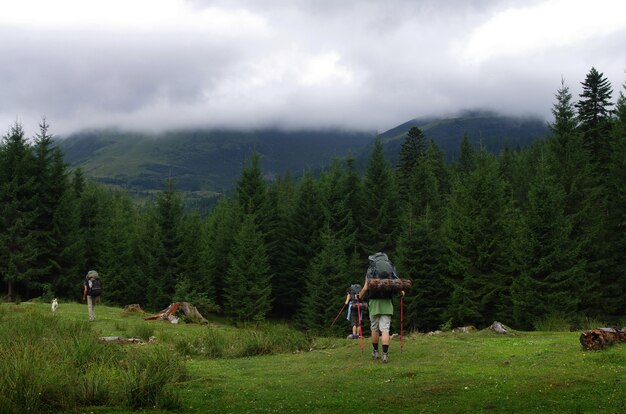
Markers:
(385, 325)
(374, 319)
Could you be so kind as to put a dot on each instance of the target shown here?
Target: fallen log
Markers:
(186, 308)
(596, 339)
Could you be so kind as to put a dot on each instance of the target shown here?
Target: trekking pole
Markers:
(401, 322)
(358, 303)
(344, 305)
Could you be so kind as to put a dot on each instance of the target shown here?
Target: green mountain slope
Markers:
(211, 161)
(494, 131)
(201, 160)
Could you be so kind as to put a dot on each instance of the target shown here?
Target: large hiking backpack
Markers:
(354, 290)
(380, 267)
(94, 287)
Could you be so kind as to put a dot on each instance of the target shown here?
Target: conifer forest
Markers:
(518, 237)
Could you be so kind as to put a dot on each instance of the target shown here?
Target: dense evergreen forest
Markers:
(519, 236)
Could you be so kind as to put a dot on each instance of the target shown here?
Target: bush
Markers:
(555, 322)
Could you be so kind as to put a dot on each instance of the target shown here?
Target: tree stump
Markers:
(186, 308)
(134, 308)
(499, 328)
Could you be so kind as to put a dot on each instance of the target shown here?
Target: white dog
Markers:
(55, 305)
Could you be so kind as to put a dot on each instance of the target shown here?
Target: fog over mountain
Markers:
(157, 65)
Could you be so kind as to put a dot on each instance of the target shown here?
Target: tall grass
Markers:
(49, 364)
(250, 340)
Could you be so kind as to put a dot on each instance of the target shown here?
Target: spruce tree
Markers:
(18, 213)
(117, 261)
(594, 115)
(477, 239)
(615, 278)
(49, 189)
(221, 226)
(248, 286)
(306, 225)
(381, 207)
(467, 158)
(169, 214)
(419, 258)
(412, 150)
(551, 269)
(325, 288)
(285, 291)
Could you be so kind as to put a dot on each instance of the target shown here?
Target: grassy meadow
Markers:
(55, 363)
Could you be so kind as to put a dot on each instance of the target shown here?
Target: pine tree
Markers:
(615, 277)
(325, 287)
(381, 209)
(477, 239)
(306, 225)
(412, 150)
(551, 268)
(116, 257)
(221, 226)
(169, 214)
(467, 158)
(248, 286)
(251, 189)
(594, 114)
(50, 185)
(419, 258)
(18, 212)
(285, 291)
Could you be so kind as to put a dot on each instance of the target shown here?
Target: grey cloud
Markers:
(357, 64)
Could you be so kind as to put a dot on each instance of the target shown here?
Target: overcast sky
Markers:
(371, 65)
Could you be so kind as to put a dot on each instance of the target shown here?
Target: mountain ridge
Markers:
(210, 161)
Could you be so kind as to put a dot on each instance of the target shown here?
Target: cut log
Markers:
(596, 339)
(388, 286)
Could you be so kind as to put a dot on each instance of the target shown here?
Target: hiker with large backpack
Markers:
(380, 287)
(92, 290)
(355, 309)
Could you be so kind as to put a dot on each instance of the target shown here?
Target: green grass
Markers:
(271, 368)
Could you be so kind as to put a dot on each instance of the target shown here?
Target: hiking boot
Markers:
(384, 358)
(374, 355)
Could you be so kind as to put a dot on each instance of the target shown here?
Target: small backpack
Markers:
(354, 290)
(95, 287)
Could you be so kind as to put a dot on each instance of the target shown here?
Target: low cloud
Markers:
(368, 65)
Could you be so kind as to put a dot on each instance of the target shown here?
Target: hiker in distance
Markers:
(355, 312)
(92, 289)
(380, 305)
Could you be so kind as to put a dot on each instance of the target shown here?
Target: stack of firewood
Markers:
(600, 338)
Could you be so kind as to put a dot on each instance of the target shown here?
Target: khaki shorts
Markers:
(380, 323)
